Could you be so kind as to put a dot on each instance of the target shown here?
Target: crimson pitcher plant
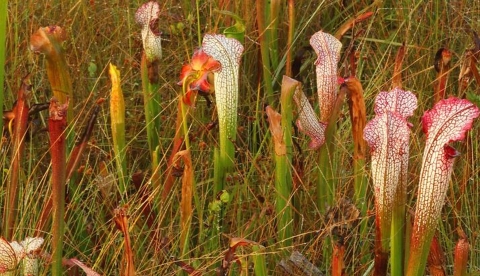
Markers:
(388, 136)
(448, 121)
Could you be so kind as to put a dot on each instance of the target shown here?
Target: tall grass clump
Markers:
(3, 30)
(211, 161)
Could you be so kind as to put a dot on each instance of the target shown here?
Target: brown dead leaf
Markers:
(338, 262)
(358, 115)
(121, 220)
(397, 71)
(350, 23)
(187, 193)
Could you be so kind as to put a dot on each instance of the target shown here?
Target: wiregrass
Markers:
(101, 32)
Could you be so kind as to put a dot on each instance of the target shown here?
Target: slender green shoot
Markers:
(3, 29)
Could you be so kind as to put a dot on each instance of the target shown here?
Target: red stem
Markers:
(20, 125)
(57, 125)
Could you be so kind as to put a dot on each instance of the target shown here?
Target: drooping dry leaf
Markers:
(121, 220)
(350, 23)
(48, 41)
(187, 194)
(230, 254)
(88, 271)
(442, 66)
(358, 115)
(235, 242)
(397, 70)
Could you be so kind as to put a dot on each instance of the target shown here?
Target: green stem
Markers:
(360, 181)
(184, 111)
(264, 48)
(361, 200)
(259, 262)
(149, 73)
(283, 173)
(199, 26)
(416, 266)
(223, 161)
(272, 15)
(291, 34)
(397, 241)
(218, 178)
(3, 29)
(398, 228)
(326, 181)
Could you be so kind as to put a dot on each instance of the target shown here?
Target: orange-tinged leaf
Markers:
(88, 271)
(442, 66)
(117, 103)
(121, 220)
(235, 242)
(338, 262)
(187, 193)
(358, 115)
(350, 23)
(40, 41)
(461, 257)
(397, 70)
(274, 124)
(436, 259)
(230, 254)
